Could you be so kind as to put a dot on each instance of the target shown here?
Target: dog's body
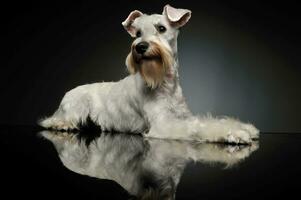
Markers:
(126, 105)
(150, 100)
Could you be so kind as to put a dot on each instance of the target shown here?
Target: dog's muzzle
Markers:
(143, 51)
(152, 60)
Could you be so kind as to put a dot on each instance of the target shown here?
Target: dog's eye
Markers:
(138, 34)
(161, 29)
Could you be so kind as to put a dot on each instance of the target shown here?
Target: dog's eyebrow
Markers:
(158, 24)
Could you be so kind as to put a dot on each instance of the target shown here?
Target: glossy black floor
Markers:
(36, 164)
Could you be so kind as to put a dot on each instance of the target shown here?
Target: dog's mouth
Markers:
(140, 58)
(152, 57)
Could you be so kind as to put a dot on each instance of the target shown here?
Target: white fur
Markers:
(130, 106)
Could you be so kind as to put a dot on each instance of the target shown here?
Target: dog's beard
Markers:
(153, 66)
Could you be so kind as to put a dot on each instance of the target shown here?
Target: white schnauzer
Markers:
(150, 99)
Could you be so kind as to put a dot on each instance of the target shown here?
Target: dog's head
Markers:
(154, 49)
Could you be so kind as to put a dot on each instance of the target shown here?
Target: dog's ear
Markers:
(176, 16)
(127, 24)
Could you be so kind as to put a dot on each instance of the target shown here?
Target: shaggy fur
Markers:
(150, 99)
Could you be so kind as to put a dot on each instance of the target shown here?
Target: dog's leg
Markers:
(227, 130)
(73, 110)
(204, 129)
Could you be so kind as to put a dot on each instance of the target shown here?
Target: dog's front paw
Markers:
(237, 132)
(253, 131)
(238, 136)
(242, 134)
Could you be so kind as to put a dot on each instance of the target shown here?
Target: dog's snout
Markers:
(141, 47)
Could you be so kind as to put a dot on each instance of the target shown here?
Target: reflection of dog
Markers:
(150, 99)
(147, 168)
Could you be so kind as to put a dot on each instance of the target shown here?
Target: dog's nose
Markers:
(141, 47)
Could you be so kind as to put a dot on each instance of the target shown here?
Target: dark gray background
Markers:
(238, 58)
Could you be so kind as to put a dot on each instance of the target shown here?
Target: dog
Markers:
(150, 100)
(146, 168)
